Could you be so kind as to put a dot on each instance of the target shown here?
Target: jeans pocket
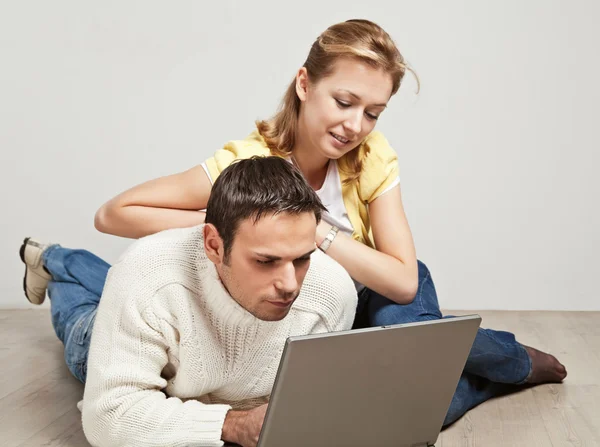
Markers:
(83, 329)
(79, 370)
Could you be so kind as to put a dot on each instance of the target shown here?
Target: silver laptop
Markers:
(377, 387)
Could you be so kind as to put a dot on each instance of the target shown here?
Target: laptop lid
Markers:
(383, 386)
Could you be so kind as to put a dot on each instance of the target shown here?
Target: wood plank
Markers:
(38, 403)
(65, 431)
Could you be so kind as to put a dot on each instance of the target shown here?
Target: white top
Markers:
(172, 352)
(332, 198)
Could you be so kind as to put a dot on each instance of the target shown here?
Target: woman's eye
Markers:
(371, 116)
(342, 103)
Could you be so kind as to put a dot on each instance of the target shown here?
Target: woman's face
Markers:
(340, 110)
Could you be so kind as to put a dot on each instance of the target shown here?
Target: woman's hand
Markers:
(390, 270)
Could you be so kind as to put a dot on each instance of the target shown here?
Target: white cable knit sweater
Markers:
(172, 352)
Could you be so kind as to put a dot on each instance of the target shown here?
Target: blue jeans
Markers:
(78, 278)
(496, 358)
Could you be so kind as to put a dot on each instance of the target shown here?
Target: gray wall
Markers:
(498, 152)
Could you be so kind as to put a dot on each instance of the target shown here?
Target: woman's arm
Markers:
(167, 202)
(392, 269)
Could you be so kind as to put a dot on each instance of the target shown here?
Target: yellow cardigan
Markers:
(380, 169)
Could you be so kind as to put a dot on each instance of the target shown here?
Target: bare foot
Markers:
(545, 368)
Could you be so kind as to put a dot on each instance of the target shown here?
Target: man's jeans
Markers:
(496, 358)
(78, 278)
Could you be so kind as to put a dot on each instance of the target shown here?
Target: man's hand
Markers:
(243, 427)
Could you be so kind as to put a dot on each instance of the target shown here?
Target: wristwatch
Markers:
(329, 239)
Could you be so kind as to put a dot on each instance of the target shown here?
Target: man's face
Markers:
(267, 263)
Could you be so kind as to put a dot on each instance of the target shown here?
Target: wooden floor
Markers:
(38, 396)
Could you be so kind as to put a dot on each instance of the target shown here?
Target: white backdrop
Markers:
(498, 152)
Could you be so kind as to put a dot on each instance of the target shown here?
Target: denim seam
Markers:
(82, 327)
(421, 292)
(506, 345)
(46, 253)
(528, 376)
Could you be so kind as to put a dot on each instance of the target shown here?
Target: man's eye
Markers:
(302, 260)
(264, 262)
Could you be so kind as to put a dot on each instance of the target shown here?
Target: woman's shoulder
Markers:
(379, 166)
(253, 145)
(376, 148)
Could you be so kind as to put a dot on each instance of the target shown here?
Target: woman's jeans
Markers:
(496, 358)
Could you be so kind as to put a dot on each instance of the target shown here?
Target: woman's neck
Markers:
(314, 170)
(312, 165)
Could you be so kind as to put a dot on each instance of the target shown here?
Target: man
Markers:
(192, 322)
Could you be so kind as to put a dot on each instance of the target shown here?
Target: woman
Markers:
(325, 127)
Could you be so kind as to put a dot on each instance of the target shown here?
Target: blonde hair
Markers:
(356, 39)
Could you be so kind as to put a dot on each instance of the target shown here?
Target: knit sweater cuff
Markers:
(207, 425)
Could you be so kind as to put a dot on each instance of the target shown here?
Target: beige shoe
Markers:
(36, 277)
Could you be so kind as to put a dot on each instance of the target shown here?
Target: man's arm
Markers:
(243, 427)
(123, 402)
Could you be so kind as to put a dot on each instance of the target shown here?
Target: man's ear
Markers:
(302, 84)
(213, 244)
